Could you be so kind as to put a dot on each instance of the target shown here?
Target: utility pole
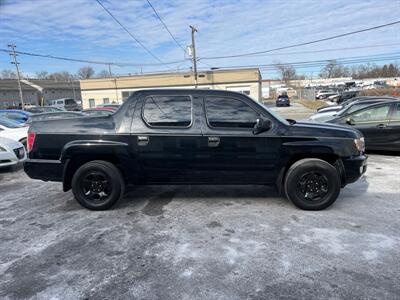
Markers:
(194, 58)
(15, 62)
(109, 70)
(71, 80)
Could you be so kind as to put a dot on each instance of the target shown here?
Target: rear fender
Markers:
(77, 153)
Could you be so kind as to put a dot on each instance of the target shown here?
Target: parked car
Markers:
(343, 96)
(109, 106)
(323, 94)
(65, 104)
(194, 136)
(17, 115)
(353, 106)
(11, 152)
(283, 100)
(379, 123)
(54, 115)
(13, 130)
(349, 101)
(43, 109)
(98, 111)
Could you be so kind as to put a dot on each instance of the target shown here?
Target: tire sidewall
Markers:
(298, 170)
(113, 175)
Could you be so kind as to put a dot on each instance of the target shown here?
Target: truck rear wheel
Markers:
(98, 185)
(312, 184)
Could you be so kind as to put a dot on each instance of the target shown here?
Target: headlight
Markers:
(2, 149)
(360, 144)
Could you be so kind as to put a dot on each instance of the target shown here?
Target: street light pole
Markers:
(194, 55)
(15, 62)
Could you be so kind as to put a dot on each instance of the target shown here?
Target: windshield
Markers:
(274, 114)
(9, 123)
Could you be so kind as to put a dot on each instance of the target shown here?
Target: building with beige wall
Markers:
(117, 89)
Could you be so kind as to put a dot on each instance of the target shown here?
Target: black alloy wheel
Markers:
(98, 185)
(312, 184)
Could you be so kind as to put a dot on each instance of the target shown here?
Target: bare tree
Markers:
(103, 74)
(333, 70)
(85, 72)
(60, 76)
(286, 72)
(8, 74)
(42, 74)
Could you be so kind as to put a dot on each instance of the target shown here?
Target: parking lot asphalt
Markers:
(201, 242)
(295, 111)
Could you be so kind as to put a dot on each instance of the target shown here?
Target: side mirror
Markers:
(262, 125)
(350, 121)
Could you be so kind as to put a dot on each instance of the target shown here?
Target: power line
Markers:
(330, 50)
(364, 57)
(130, 34)
(165, 26)
(121, 64)
(305, 43)
(316, 63)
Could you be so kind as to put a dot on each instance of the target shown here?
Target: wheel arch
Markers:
(330, 158)
(78, 153)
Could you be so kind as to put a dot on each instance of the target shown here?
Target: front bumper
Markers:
(354, 167)
(44, 169)
(10, 158)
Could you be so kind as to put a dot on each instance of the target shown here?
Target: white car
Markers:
(11, 152)
(13, 130)
(323, 94)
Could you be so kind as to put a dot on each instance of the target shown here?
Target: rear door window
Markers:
(168, 111)
(396, 114)
(69, 101)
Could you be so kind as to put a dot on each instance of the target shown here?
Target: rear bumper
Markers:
(354, 167)
(43, 169)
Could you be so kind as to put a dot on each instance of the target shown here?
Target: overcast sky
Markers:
(82, 29)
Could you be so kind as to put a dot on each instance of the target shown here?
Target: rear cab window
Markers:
(168, 111)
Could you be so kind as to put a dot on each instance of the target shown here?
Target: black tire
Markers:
(98, 185)
(312, 184)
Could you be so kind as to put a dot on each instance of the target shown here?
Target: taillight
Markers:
(31, 140)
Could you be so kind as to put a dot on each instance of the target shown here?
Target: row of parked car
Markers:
(377, 117)
(14, 125)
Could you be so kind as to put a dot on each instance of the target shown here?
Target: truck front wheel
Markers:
(98, 185)
(312, 184)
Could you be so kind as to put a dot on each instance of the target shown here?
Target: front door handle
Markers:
(143, 140)
(213, 141)
(381, 125)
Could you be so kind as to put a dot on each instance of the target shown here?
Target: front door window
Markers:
(224, 112)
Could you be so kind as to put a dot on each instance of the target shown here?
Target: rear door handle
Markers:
(142, 140)
(213, 141)
(381, 126)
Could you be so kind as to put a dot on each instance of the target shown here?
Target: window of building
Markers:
(240, 89)
(126, 94)
(106, 100)
(92, 103)
(173, 111)
(229, 112)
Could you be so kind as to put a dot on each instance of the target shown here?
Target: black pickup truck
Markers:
(194, 137)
